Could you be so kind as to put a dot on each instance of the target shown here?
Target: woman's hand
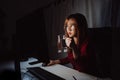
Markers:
(52, 62)
(68, 41)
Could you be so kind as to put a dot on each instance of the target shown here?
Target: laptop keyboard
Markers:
(43, 74)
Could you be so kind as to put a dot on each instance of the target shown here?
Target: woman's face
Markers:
(71, 27)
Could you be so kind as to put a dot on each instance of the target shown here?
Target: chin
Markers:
(71, 36)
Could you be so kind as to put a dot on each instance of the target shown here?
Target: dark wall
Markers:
(6, 54)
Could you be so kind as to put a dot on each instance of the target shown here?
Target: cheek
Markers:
(67, 30)
(74, 31)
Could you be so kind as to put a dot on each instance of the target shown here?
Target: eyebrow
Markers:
(71, 25)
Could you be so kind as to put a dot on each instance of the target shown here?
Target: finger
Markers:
(69, 39)
(49, 63)
(68, 43)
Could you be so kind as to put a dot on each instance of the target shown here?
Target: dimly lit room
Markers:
(59, 39)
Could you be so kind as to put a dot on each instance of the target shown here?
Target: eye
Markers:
(68, 27)
(73, 27)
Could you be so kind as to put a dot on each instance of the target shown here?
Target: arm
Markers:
(76, 52)
(59, 61)
(52, 62)
(73, 44)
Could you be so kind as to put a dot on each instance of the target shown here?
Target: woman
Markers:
(76, 40)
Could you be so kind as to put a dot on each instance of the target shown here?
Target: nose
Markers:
(70, 29)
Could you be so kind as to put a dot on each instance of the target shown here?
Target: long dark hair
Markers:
(81, 26)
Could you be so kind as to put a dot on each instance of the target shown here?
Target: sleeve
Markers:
(64, 60)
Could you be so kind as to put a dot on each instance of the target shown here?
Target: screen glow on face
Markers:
(71, 28)
(71, 31)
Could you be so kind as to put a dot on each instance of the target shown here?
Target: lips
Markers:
(69, 33)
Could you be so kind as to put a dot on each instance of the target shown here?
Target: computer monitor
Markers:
(34, 49)
(32, 38)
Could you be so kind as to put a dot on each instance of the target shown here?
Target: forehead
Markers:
(71, 22)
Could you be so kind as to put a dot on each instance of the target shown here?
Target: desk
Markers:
(59, 70)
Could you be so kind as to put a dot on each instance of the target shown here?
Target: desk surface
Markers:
(59, 70)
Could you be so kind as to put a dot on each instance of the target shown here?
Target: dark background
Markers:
(20, 21)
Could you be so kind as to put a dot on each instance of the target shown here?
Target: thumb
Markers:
(50, 63)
